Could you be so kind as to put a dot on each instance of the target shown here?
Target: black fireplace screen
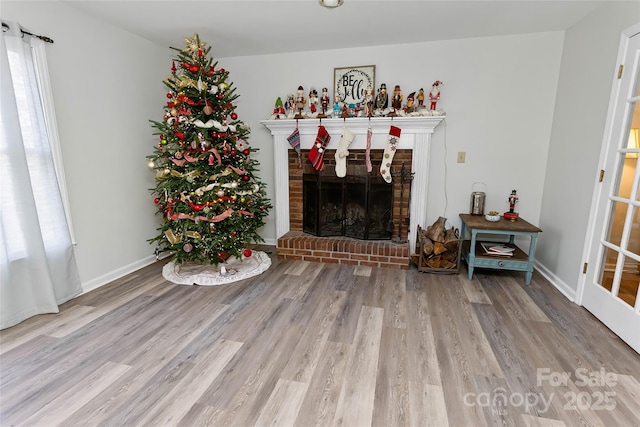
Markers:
(355, 206)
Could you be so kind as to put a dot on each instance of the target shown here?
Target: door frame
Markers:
(605, 149)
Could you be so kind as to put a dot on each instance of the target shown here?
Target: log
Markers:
(451, 238)
(434, 262)
(438, 248)
(427, 246)
(436, 231)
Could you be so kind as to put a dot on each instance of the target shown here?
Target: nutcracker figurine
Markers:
(512, 214)
(324, 102)
(434, 95)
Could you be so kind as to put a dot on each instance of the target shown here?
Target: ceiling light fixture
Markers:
(330, 4)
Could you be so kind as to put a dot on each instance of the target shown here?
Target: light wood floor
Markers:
(311, 344)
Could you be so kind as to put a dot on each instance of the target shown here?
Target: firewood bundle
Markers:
(437, 246)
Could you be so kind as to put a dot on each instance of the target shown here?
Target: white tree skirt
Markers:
(211, 275)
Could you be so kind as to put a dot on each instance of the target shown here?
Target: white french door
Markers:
(613, 275)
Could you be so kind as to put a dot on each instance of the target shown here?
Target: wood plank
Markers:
(305, 357)
(355, 405)
(56, 411)
(176, 403)
(320, 403)
(533, 421)
(391, 403)
(283, 405)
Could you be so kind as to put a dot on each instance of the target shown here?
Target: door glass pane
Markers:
(634, 236)
(629, 281)
(619, 211)
(626, 178)
(609, 259)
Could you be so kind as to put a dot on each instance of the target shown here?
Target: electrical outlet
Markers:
(461, 156)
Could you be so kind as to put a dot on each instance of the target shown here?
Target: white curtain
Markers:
(37, 264)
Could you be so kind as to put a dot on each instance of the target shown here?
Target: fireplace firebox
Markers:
(359, 206)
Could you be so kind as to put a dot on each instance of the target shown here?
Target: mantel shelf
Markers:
(358, 125)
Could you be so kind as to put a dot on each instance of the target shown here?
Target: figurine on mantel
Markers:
(300, 102)
(420, 98)
(278, 111)
(396, 101)
(410, 101)
(512, 214)
(324, 102)
(382, 100)
(336, 106)
(368, 102)
(291, 106)
(434, 95)
(313, 101)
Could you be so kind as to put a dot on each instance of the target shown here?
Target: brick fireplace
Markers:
(413, 151)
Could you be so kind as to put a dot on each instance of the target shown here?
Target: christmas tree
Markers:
(206, 190)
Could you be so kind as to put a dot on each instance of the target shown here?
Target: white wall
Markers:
(498, 92)
(586, 77)
(107, 84)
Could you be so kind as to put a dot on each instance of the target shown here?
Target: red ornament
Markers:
(219, 96)
(156, 200)
(233, 234)
(200, 53)
(234, 116)
(194, 68)
(246, 151)
(246, 178)
(174, 217)
(169, 95)
(234, 153)
(247, 253)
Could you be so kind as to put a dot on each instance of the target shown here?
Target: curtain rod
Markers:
(5, 27)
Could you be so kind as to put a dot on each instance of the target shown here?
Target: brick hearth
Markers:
(343, 250)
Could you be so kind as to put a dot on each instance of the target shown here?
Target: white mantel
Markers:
(415, 136)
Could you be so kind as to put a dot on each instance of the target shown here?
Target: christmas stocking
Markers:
(367, 153)
(317, 150)
(342, 152)
(294, 141)
(389, 152)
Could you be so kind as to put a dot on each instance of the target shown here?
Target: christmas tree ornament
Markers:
(316, 152)
(294, 141)
(234, 116)
(187, 247)
(247, 253)
(342, 152)
(192, 45)
(389, 152)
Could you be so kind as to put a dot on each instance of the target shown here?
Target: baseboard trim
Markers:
(560, 285)
(270, 242)
(118, 273)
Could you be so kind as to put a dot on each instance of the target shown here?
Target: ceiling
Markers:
(244, 27)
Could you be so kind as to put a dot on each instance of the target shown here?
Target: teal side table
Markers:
(473, 253)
